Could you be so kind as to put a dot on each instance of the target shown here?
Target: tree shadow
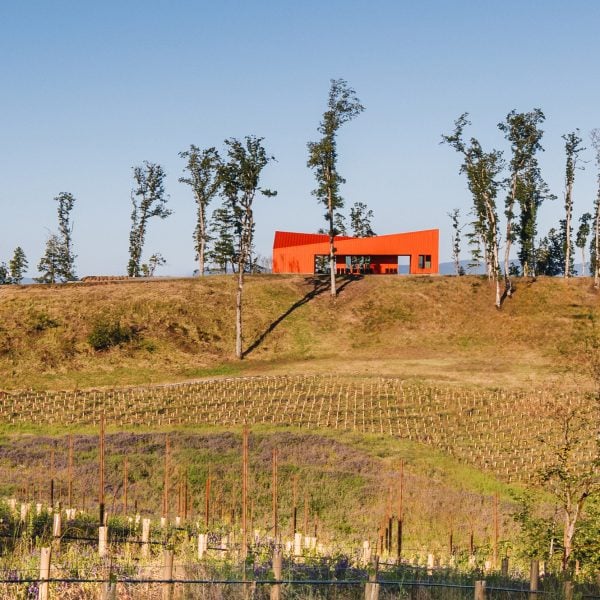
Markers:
(320, 285)
(506, 294)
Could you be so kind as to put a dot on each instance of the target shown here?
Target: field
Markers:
(416, 375)
(431, 328)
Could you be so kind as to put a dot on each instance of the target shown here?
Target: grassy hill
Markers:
(434, 328)
(423, 369)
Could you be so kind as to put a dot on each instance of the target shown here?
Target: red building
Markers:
(309, 253)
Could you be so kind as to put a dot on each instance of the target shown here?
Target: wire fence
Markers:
(83, 588)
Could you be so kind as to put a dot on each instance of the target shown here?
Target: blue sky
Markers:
(91, 89)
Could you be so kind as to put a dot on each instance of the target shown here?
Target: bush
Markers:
(41, 321)
(107, 333)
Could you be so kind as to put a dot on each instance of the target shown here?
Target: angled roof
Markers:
(285, 239)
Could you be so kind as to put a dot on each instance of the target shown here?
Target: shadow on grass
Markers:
(320, 285)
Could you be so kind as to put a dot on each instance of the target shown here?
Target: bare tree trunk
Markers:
(569, 532)
(571, 517)
(238, 312)
(201, 241)
(569, 205)
(597, 244)
(493, 244)
(583, 267)
(332, 264)
(507, 281)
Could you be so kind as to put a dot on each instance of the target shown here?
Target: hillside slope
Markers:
(435, 328)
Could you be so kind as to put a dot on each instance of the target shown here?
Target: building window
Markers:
(321, 264)
(424, 261)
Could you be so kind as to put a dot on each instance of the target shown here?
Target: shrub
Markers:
(107, 333)
(41, 321)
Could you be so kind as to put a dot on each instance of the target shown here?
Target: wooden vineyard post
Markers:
(109, 590)
(245, 493)
(305, 513)
(274, 495)
(101, 471)
(277, 571)
(44, 573)
(372, 587)
(568, 590)
(480, 591)
(167, 575)
(496, 531)
(294, 506)
(400, 513)
(186, 496)
(504, 568)
(534, 579)
(125, 476)
(70, 473)
(165, 510)
(207, 499)
(52, 478)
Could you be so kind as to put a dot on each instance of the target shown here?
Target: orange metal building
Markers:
(309, 253)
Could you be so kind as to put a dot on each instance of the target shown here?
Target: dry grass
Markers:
(435, 328)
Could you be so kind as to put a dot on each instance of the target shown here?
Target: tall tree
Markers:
(531, 192)
(572, 149)
(203, 177)
(50, 264)
(361, 217)
(525, 186)
(222, 251)
(18, 265)
(4, 274)
(66, 257)
(149, 200)
(595, 249)
(343, 105)
(550, 255)
(482, 170)
(240, 176)
(456, 230)
(581, 238)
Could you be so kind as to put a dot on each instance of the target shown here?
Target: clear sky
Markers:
(89, 90)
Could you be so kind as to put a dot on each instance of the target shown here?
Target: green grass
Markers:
(346, 477)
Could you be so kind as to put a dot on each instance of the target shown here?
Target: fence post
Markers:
(297, 544)
(202, 545)
(366, 552)
(145, 538)
(167, 592)
(480, 593)
(371, 590)
(534, 578)
(372, 587)
(430, 564)
(109, 590)
(568, 589)
(504, 568)
(277, 569)
(102, 541)
(44, 573)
